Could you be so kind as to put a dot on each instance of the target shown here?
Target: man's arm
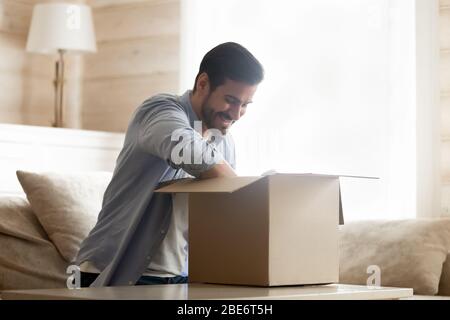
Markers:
(159, 132)
(228, 166)
(219, 170)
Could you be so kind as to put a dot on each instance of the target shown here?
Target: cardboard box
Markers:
(274, 230)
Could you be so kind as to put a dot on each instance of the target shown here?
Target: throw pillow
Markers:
(66, 204)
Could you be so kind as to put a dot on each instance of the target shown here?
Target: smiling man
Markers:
(141, 237)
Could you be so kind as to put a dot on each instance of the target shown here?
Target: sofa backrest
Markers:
(408, 253)
(35, 148)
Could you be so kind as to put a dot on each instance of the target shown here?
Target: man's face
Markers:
(226, 104)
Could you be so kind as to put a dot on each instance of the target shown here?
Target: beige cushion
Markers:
(28, 259)
(66, 204)
(410, 253)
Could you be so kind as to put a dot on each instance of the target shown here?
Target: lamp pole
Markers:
(59, 90)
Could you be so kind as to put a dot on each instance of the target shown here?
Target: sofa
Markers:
(41, 230)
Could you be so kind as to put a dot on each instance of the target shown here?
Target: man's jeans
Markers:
(87, 278)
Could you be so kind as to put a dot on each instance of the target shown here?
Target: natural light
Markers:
(336, 96)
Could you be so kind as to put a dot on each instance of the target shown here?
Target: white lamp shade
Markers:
(61, 26)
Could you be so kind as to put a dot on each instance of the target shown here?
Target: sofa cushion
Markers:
(409, 253)
(28, 259)
(66, 204)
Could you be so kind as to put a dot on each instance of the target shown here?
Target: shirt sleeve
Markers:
(165, 132)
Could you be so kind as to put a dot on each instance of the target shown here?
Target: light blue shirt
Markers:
(133, 220)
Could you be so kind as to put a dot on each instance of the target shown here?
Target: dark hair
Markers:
(231, 61)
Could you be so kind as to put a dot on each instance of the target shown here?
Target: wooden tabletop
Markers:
(196, 291)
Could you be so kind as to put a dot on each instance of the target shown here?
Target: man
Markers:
(141, 236)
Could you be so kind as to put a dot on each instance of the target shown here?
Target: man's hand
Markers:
(222, 169)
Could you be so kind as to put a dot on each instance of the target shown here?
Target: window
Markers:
(338, 96)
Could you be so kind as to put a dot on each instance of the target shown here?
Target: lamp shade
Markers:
(61, 26)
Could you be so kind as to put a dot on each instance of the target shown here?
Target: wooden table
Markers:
(195, 291)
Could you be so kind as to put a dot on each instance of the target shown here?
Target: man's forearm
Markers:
(222, 169)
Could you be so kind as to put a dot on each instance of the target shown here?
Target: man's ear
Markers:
(203, 83)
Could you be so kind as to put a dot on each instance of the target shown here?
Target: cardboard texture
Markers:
(280, 229)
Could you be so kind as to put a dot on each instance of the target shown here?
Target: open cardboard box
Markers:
(280, 229)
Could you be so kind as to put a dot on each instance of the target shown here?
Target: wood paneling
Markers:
(137, 20)
(444, 30)
(12, 53)
(138, 56)
(27, 95)
(134, 57)
(14, 59)
(14, 23)
(112, 101)
(15, 17)
(33, 2)
(445, 115)
(112, 3)
(445, 71)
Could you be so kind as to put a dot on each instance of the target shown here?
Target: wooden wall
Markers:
(138, 48)
(27, 94)
(138, 56)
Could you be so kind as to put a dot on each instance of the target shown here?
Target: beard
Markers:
(209, 116)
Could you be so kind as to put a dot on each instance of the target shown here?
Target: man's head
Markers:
(227, 79)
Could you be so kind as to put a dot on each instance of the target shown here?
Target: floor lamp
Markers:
(60, 28)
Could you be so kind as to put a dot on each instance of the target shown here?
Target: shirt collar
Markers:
(185, 100)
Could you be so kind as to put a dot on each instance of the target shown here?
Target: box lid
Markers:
(208, 185)
(191, 185)
(326, 175)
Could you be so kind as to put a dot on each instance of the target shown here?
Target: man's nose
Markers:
(235, 112)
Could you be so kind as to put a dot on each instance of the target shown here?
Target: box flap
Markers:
(325, 175)
(207, 185)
